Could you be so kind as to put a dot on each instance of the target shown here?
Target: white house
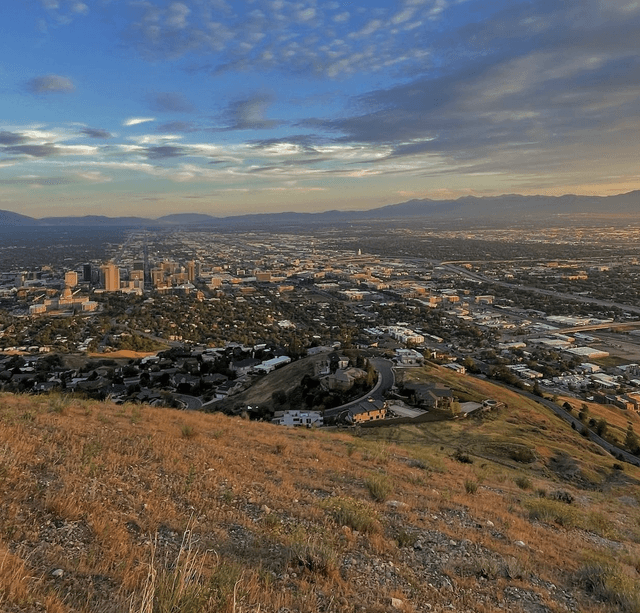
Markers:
(295, 417)
(269, 365)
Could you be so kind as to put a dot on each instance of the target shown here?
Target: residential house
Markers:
(409, 357)
(366, 410)
(429, 396)
(297, 418)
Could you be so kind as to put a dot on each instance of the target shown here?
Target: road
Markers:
(386, 379)
(560, 412)
(191, 403)
(538, 290)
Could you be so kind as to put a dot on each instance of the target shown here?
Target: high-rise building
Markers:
(71, 278)
(191, 271)
(157, 277)
(86, 273)
(111, 274)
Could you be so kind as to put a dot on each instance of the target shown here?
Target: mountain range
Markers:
(508, 207)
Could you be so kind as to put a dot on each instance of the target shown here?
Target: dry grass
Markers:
(246, 517)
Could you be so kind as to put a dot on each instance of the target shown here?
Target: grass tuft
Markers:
(354, 514)
(524, 483)
(379, 487)
(471, 487)
(188, 431)
(611, 583)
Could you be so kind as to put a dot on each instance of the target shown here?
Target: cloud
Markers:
(50, 84)
(48, 149)
(169, 102)
(80, 8)
(177, 126)
(250, 114)
(134, 121)
(11, 138)
(94, 176)
(95, 133)
(302, 37)
(165, 151)
(36, 151)
(37, 181)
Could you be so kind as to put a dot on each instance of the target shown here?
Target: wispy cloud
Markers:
(250, 113)
(50, 84)
(134, 121)
(169, 102)
(11, 138)
(95, 133)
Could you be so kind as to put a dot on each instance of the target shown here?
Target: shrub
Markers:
(354, 514)
(315, 556)
(406, 539)
(552, 512)
(611, 583)
(462, 457)
(561, 496)
(471, 487)
(522, 454)
(379, 487)
(188, 431)
(524, 483)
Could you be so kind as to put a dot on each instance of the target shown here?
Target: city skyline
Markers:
(225, 108)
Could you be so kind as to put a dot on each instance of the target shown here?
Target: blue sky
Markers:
(149, 107)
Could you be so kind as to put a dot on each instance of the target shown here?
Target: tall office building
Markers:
(111, 274)
(86, 273)
(191, 271)
(71, 278)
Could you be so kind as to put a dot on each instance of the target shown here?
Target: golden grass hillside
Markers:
(140, 510)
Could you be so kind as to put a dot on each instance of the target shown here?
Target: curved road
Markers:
(386, 379)
(191, 403)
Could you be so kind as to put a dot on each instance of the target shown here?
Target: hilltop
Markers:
(139, 509)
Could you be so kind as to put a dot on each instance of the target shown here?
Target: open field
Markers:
(135, 509)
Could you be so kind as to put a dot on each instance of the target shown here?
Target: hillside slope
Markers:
(134, 509)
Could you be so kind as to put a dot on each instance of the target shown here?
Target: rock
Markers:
(58, 573)
(396, 603)
(396, 504)
(490, 524)
(520, 544)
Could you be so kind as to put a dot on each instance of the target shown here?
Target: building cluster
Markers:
(308, 292)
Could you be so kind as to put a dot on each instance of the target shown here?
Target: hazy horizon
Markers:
(258, 106)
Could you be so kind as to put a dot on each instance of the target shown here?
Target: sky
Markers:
(151, 107)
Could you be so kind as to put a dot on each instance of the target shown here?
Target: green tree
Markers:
(601, 426)
(583, 415)
(631, 441)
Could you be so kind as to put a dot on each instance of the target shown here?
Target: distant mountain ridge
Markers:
(504, 207)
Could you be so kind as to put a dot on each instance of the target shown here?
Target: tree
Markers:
(583, 415)
(601, 426)
(631, 441)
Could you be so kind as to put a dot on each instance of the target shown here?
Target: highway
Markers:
(538, 290)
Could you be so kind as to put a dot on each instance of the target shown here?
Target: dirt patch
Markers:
(122, 354)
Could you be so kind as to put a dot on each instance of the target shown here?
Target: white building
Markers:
(272, 364)
(297, 418)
